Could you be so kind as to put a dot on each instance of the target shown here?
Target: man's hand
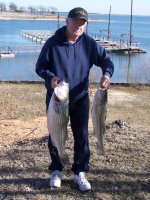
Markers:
(55, 82)
(104, 82)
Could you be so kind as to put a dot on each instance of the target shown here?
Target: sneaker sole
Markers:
(55, 186)
(83, 190)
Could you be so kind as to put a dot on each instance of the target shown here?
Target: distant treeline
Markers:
(30, 9)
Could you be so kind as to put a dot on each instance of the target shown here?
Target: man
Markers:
(68, 56)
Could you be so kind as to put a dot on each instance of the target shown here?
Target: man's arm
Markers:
(43, 64)
(103, 60)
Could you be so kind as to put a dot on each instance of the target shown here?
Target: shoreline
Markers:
(26, 16)
(111, 84)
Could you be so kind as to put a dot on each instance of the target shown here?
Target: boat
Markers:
(6, 52)
(7, 55)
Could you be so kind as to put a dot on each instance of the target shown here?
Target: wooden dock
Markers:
(6, 52)
(119, 47)
(40, 36)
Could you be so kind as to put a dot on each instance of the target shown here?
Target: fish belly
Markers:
(99, 111)
(57, 120)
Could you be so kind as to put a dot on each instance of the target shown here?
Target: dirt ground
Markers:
(124, 173)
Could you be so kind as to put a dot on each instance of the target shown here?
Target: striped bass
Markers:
(57, 119)
(99, 111)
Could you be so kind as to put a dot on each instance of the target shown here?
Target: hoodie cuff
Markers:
(107, 74)
(49, 77)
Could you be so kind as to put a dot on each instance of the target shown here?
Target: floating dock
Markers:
(40, 36)
(119, 47)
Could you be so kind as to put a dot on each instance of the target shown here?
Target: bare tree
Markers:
(31, 9)
(22, 9)
(54, 10)
(12, 6)
(2, 6)
(41, 10)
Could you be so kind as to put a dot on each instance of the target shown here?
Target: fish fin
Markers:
(100, 150)
(65, 159)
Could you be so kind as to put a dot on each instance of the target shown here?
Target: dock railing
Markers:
(117, 44)
(28, 49)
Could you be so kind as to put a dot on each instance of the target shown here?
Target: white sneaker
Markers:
(82, 182)
(55, 179)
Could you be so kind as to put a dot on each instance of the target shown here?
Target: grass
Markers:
(123, 174)
(22, 101)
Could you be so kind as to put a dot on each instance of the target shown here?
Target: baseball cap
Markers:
(78, 13)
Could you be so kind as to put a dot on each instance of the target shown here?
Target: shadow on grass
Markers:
(33, 155)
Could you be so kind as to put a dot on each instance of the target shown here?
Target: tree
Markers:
(2, 6)
(31, 9)
(22, 9)
(54, 10)
(12, 7)
(41, 10)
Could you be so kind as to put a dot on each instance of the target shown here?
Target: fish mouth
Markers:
(56, 98)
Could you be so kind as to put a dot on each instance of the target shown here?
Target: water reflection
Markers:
(128, 69)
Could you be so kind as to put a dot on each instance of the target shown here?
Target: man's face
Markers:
(76, 26)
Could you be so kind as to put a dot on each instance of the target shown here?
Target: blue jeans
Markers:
(79, 114)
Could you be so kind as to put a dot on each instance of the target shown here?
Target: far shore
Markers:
(27, 16)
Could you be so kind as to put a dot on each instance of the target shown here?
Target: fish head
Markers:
(62, 91)
(101, 96)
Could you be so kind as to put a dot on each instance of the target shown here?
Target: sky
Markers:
(140, 7)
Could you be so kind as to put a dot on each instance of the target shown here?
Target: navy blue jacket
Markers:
(72, 62)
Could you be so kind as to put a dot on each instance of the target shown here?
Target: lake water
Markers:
(128, 68)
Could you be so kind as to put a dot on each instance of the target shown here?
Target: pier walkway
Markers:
(6, 51)
(40, 36)
(28, 49)
(118, 46)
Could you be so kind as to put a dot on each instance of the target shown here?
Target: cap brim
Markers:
(80, 18)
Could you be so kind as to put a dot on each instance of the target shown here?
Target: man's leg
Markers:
(56, 163)
(79, 114)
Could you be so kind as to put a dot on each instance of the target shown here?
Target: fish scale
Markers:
(99, 111)
(57, 120)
